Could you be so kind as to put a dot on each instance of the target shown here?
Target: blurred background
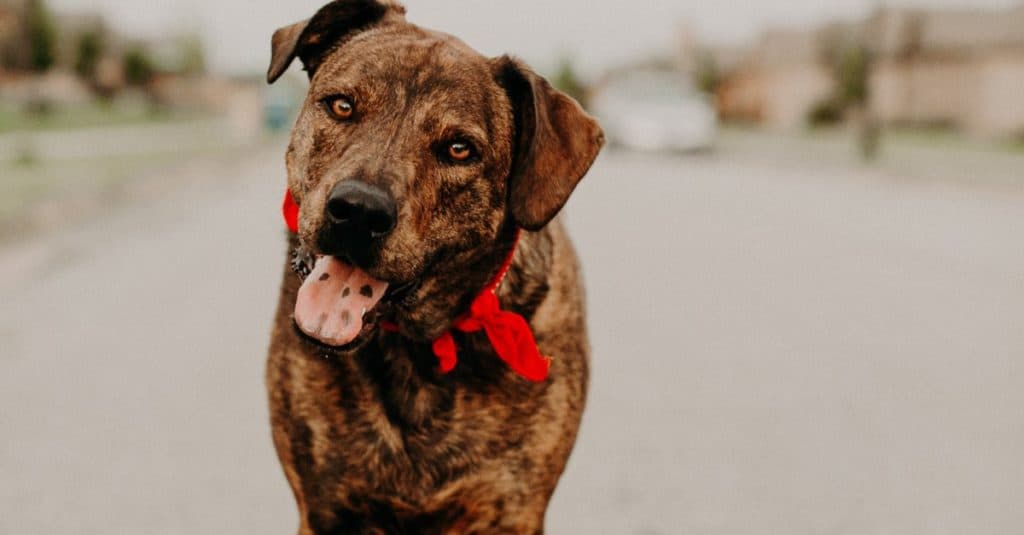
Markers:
(803, 252)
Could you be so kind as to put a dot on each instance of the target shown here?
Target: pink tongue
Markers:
(333, 299)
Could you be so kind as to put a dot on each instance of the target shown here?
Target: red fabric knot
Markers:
(291, 212)
(508, 332)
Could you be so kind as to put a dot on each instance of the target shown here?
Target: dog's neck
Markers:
(403, 370)
(454, 283)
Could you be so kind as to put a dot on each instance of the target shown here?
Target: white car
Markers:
(656, 111)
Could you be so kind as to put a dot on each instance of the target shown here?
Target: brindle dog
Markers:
(415, 160)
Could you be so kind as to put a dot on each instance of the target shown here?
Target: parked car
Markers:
(656, 111)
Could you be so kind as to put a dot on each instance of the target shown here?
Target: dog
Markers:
(428, 364)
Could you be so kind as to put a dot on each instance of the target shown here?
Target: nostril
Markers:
(379, 223)
(340, 210)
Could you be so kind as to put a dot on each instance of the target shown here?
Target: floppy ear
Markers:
(311, 40)
(555, 144)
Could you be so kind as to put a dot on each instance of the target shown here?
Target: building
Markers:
(13, 53)
(779, 81)
(958, 68)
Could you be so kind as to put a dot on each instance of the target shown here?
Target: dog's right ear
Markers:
(311, 40)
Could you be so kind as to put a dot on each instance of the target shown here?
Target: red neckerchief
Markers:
(508, 332)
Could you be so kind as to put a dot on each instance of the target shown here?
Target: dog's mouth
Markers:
(340, 305)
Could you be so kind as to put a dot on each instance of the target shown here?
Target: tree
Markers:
(138, 66)
(90, 49)
(567, 81)
(852, 74)
(850, 63)
(707, 76)
(193, 56)
(41, 34)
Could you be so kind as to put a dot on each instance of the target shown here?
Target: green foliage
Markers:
(90, 50)
(139, 68)
(707, 76)
(41, 34)
(850, 66)
(193, 56)
(827, 112)
(852, 71)
(567, 81)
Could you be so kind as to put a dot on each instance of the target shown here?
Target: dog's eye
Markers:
(460, 151)
(340, 107)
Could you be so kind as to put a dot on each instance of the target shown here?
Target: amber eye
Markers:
(460, 151)
(341, 107)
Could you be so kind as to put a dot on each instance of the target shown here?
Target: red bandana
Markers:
(291, 212)
(509, 333)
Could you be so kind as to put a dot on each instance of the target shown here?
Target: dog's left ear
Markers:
(311, 40)
(555, 144)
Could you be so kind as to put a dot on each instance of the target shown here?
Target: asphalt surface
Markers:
(778, 348)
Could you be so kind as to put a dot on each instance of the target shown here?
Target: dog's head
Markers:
(411, 157)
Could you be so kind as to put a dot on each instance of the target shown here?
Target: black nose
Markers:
(361, 210)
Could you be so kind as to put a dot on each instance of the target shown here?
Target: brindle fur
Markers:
(377, 440)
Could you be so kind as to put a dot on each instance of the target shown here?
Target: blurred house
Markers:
(53, 87)
(90, 60)
(777, 83)
(66, 77)
(960, 68)
(13, 53)
(240, 101)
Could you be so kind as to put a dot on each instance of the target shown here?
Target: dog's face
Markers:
(410, 156)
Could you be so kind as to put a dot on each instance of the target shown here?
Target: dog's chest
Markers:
(375, 427)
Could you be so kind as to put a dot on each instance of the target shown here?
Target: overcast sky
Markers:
(596, 32)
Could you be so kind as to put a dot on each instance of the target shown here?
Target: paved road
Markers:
(783, 348)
